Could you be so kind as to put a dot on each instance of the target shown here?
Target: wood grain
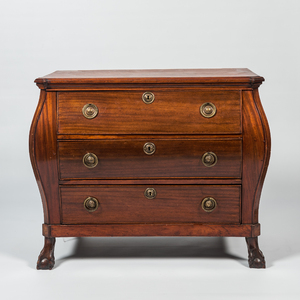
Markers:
(173, 203)
(267, 153)
(187, 180)
(95, 78)
(43, 153)
(175, 111)
(172, 158)
(244, 230)
(256, 154)
(134, 137)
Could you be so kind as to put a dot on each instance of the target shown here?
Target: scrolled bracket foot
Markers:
(256, 258)
(46, 258)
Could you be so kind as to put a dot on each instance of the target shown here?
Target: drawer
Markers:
(172, 158)
(128, 204)
(173, 111)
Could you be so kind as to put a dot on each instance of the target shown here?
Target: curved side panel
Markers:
(256, 154)
(43, 155)
(34, 123)
(267, 153)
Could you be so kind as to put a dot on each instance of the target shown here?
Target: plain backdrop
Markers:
(39, 37)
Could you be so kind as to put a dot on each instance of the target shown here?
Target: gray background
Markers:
(39, 37)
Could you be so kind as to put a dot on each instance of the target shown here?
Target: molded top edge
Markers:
(193, 76)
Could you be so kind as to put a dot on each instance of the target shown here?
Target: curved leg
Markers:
(46, 258)
(256, 258)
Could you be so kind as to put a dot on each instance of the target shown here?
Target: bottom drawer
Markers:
(150, 204)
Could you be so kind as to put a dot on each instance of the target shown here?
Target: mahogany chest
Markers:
(150, 153)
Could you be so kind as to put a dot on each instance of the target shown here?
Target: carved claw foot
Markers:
(256, 258)
(46, 259)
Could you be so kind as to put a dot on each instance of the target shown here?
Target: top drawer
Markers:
(175, 111)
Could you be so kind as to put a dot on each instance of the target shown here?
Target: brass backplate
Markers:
(90, 160)
(148, 97)
(90, 204)
(209, 159)
(150, 193)
(208, 204)
(149, 148)
(90, 111)
(208, 110)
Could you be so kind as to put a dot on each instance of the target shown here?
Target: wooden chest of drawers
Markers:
(150, 153)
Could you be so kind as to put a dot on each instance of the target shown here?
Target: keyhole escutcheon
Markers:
(149, 148)
(148, 97)
(150, 193)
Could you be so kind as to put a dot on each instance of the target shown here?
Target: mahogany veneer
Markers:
(172, 158)
(174, 111)
(187, 159)
(173, 204)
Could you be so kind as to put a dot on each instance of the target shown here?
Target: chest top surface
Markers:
(241, 77)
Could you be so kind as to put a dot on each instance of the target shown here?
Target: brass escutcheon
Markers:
(208, 110)
(148, 97)
(90, 111)
(149, 148)
(209, 159)
(90, 160)
(150, 193)
(209, 204)
(90, 204)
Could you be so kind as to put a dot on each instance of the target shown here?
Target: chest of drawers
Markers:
(150, 153)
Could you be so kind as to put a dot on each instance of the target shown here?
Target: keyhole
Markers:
(149, 148)
(150, 193)
(148, 97)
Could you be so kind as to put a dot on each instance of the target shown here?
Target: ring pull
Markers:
(209, 204)
(208, 110)
(90, 111)
(91, 204)
(209, 159)
(90, 160)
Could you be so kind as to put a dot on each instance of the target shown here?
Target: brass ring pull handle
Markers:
(150, 193)
(149, 148)
(209, 159)
(209, 204)
(90, 111)
(208, 110)
(90, 160)
(90, 204)
(148, 97)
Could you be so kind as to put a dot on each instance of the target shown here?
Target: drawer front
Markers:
(172, 111)
(171, 159)
(128, 204)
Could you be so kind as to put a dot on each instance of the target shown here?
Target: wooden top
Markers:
(58, 79)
